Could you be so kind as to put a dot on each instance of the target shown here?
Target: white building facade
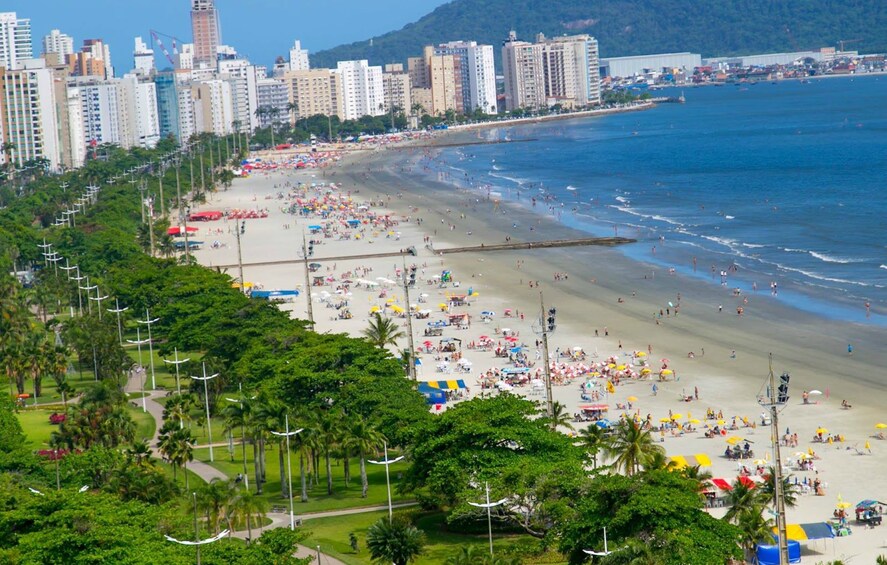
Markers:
(58, 43)
(298, 60)
(142, 127)
(478, 74)
(363, 91)
(15, 40)
(29, 120)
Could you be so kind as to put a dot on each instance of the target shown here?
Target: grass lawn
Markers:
(331, 534)
(35, 423)
(318, 500)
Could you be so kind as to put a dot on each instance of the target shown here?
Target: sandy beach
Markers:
(606, 305)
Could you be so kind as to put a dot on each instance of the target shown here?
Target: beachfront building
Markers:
(72, 134)
(244, 93)
(571, 70)
(362, 90)
(15, 40)
(175, 107)
(623, 67)
(143, 59)
(141, 126)
(213, 107)
(100, 102)
(93, 60)
(477, 74)
(27, 113)
(441, 77)
(524, 76)
(396, 85)
(205, 31)
(272, 94)
(59, 43)
(316, 91)
(298, 60)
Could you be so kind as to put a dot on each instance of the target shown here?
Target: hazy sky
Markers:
(259, 29)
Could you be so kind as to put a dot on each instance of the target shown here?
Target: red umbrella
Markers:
(511, 339)
(176, 230)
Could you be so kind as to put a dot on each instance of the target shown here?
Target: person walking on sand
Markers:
(850, 349)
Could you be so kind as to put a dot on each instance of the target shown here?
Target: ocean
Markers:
(772, 182)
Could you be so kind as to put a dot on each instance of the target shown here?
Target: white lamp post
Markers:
(209, 427)
(118, 310)
(198, 542)
(148, 321)
(177, 362)
(488, 505)
(242, 435)
(603, 553)
(387, 462)
(289, 467)
(139, 341)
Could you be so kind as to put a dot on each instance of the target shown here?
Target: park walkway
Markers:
(208, 473)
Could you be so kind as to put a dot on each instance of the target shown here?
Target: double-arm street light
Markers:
(139, 341)
(289, 468)
(209, 427)
(176, 361)
(489, 505)
(387, 462)
(148, 321)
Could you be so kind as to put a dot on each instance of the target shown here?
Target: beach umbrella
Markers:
(821, 431)
(677, 416)
(646, 371)
(488, 313)
(733, 440)
(694, 421)
(632, 398)
(759, 462)
(640, 354)
(666, 372)
(665, 420)
(815, 392)
(721, 422)
(801, 454)
(620, 367)
(880, 426)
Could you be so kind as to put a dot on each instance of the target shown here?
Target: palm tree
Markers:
(631, 447)
(768, 490)
(328, 434)
(396, 541)
(140, 454)
(383, 331)
(302, 444)
(560, 416)
(274, 415)
(468, 555)
(237, 415)
(178, 409)
(363, 437)
(755, 529)
(8, 147)
(177, 445)
(293, 109)
(743, 499)
(592, 439)
(696, 473)
(215, 498)
(247, 505)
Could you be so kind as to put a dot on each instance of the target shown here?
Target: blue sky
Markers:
(259, 29)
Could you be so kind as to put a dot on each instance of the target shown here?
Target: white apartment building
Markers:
(524, 77)
(58, 43)
(27, 113)
(571, 67)
(143, 59)
(140, 107)
(15, 40)
(298, 60)
(272, 93)
(213, 106)
(362, 89)
(244, 93)
(100, 103)
(478, 74)
(75, 138)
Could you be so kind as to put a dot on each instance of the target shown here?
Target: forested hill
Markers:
(633, 27)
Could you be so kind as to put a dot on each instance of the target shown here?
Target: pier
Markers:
(509, 246)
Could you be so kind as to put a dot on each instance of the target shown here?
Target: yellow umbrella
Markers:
(640, 354)
(801, 455)
(821, 431)
(676, 416)
(733, 440)
(663, 420)
(374, 309)
(666, 372)
(881, 426)
(620, 367)
(867, 446)
(694, 421)
(632, 398)
(721, 422)
(611, 365)
(760, 462)
(646, 371)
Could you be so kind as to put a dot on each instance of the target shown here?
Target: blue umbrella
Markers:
(517, 349)
(603, 423)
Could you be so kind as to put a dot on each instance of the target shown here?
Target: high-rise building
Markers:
(244, 94)
(143, 59)
(362, 90)
(140, 108)
(207, 34)
(93, 60)
(272, 95)
(298, 60)
(571, 66)
(73, 140)
(100, 103)
(477, 74)
(28, 113)
(175, 107)
(15, 40)
(213, 107)
(524, 77)
(58, 43)
(316, 91)
(441, 75)
(396, 86)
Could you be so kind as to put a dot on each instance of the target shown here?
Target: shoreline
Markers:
(587, 303)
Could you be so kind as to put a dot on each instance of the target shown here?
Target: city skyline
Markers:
(281, 21)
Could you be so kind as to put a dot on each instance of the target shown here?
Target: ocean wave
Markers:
(753, 245)
(496, 167)
(730, 217)
(656, 217)
(516, 180)
(821, 277)
(833, 259)
(623, 199)
(883, 267)
(571, 187)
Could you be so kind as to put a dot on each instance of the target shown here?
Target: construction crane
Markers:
(843, 42)
(155, 38)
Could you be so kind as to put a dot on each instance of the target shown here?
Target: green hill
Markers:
(633, 27)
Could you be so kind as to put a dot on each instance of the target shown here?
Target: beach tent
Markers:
(700, 460)
(769, 554)
(442, 385)
(806, 532)
(275, 294)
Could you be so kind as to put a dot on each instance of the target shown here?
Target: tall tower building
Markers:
(28, 112)
(143, 58)
(58, 43)
(206, 31)
(477, 74)
(298, 60)
(15, 40)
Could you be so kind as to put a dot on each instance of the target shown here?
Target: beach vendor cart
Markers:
(869, 512)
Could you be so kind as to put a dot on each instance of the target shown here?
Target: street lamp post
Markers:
(197, 541)
(489, 505)
(98, 299)
(148, 321)
(176, 361)
(387, 463)
(289, 468)
(138, 341)
(209, 427)
(242, 434)
(118, 310)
